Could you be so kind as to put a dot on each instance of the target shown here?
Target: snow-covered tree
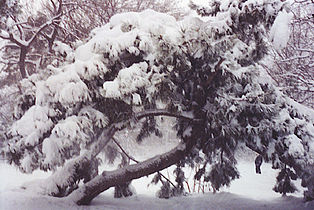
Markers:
(81, 16)
(21, 53)
(33, 34)
(284, 184)
(292, 67)
(205, 74)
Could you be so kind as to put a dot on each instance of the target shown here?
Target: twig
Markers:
(123, 151)
(159, 112)
(187, 184)
(133, 159)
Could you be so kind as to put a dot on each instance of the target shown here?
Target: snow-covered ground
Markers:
(251, 191)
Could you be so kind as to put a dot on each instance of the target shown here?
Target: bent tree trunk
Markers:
(73, 169)
(85, 194)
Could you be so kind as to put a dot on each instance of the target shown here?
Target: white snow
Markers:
(295, 146)
(35, 119)
(136, 99)
(64, 50)
(128, 81)
(251, 191)
(279, 33)
(51, 148)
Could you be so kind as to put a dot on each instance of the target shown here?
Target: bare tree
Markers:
(293, 65)
(23, 37)
(33, 35)
(81, 16)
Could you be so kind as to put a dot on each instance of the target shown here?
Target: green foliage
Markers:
(123, 190)
(284, 184)
(222, 174)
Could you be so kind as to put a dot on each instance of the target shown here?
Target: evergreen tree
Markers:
(284, 184)
(206, 74)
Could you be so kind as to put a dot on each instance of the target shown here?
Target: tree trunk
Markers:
(22, 59)
(74, 169)
(85, 194)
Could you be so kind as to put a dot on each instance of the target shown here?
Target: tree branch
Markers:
(41, 28)
(163, 112)
(133, 159)
(71, 170)
(90, 190)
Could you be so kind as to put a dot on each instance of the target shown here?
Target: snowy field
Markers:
(251, 191)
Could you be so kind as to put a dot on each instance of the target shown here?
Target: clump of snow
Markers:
(63, 50)
(51, 149)
(70, 133)
(295, 145)
(125, 29)
(128, 81)
(187, 132)
(73, 92)
(36, 118)
(91, 69)
(96, 117)
(279, 33)
(136, 99)
(66, 87)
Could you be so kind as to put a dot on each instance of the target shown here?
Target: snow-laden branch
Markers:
(4, 34)
(136, 161)
(294, 58)
(8, 62)
(70, 173)
(10, 36)
(107, 179)
(305, 50)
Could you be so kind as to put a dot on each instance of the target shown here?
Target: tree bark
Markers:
(85, 194)
(23, 52)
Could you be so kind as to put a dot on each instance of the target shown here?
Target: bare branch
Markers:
(159, 112)
(133, 159)
(41, 28)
